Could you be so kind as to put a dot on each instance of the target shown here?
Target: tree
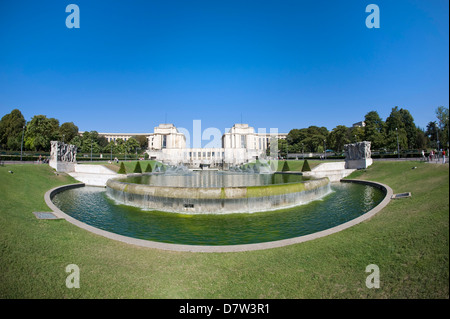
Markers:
(356, 134)
(137, 168)
(306, 167)
(410, 128)
(40, 131)
(395, 127)
(421, 139)
(89, 141)
(142, 140)
(373, 130)
(338, 137)
(282, 147)
(442, 115)
(131, 145)
(68, 131)
(432, 133)
(309, 139)
(149, 168)
(122, 169)
(11, 127)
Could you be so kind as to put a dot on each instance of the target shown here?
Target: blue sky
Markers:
(283, 64)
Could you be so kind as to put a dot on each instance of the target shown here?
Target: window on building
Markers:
(164, 143)
(243, 144)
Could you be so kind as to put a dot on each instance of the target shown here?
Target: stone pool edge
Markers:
(224, 248)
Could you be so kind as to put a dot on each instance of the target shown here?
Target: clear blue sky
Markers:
(284, 64)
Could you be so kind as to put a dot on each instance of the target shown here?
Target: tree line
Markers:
(398, 129)
(36, 135)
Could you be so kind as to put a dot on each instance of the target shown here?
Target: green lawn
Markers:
(408, 240)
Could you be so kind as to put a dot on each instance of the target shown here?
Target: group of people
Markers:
(42, 160)
(434, 156)
(116, 160)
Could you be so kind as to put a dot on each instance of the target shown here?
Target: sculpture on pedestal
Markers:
(358, 155)
(62, 156)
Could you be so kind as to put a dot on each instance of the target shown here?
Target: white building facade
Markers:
(241, 144)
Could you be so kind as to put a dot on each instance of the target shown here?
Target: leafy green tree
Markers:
(77, 142)
(338, 137)
(282, 147)
(421, 139)
(442, 115)
(68, 131)
(142, 140)
(120, 146)
(409, 127)
(40, 131)
(11, 128)
(432, 133)
(131, 145)
(395, 128)
(89, 141)
(374, 130)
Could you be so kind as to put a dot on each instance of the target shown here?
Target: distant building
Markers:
(113, 137)
(359, 124)
(241, 144)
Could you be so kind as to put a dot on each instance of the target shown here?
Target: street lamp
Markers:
(398, 146)
(325, 149)
(21, 143)
(287, 150)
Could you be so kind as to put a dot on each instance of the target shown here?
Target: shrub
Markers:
(137, 168)
(285, 167)
(306, 167)
(122, 169)
(149, 168)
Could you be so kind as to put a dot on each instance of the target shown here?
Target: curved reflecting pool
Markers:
(92, 206)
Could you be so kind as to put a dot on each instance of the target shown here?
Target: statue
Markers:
(62, 156)
(358, 155)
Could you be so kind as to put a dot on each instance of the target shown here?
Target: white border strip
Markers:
(225, 248)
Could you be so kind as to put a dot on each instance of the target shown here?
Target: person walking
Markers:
(443, 156)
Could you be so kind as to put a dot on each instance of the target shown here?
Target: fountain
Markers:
(246, 190)
(229, 210)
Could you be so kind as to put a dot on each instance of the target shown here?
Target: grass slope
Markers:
(408, 240)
